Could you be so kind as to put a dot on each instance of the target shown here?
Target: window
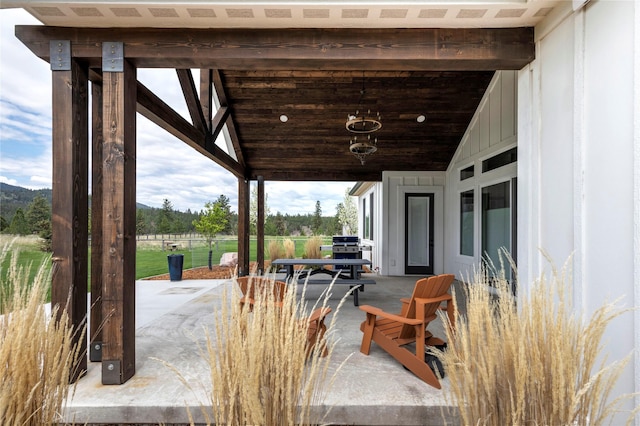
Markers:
(371, 216)
(496, 222)
(467, 173)
(367, 218)
(466, 223)
(502, 159)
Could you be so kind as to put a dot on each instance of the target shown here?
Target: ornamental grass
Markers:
(275, 249)
(289, 248)
(36, 353)
(535, 361)
(312, 248)
(260, 368)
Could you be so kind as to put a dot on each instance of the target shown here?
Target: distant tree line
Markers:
(36, 219)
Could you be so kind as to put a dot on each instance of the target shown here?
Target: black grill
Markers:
(346, 247)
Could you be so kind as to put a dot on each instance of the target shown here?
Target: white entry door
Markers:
(419, 233)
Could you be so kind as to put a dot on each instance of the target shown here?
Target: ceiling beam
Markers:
(311, 174)
(429, 49)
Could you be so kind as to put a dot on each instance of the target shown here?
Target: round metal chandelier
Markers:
(363, 148)
(363, 124)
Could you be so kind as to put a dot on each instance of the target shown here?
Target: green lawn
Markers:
(150, 258)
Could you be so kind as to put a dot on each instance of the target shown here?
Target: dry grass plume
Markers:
(260, 369)
(36, 354)
(276, 251)
(312, 248)
(289, 248)
(537, 363)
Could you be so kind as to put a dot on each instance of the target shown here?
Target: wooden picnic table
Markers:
(344, 271)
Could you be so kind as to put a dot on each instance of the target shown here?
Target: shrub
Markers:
(36, 354)
(535, 363)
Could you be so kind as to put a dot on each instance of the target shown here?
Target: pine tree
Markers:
(166, 217)
(316, 225)
(280, 224)
(141, 222)
(19, 225)
(225, 204)
(38, 215)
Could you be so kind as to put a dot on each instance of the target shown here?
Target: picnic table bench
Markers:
(170, 245)
(350, 275)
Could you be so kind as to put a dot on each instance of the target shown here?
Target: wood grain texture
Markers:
(243, 227)
(314, 77)
(95, 328)
(434, 49)
(119, 203)
(260, 225)
(70, 140)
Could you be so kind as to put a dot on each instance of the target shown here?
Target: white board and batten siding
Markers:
(395, 185)
(492, 130)
(579, 166)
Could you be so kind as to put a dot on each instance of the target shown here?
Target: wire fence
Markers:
(197, 248)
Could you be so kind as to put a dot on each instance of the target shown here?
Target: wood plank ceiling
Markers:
(315, 78)
(313, 143)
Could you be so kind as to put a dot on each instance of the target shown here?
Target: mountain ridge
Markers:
(13, 197)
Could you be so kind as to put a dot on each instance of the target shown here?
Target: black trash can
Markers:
(175, 266)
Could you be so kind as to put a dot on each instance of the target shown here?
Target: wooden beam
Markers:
(243, 227)
(260, 226)
(153, 108)
(427, 49)
(192, 99)
(222, 116)
(218, 86)
(69, 225)
(119, 230)
(314, 174)
(218, 121)
(95, 328)
(206, 99)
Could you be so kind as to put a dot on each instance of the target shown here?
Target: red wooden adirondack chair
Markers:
(392, 332)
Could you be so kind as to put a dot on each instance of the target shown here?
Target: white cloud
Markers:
(25, 78)
(41, 181)
(5, 179)
(165, 166)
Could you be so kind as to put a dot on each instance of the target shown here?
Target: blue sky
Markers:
(165, 165)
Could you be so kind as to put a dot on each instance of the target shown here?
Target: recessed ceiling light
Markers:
(421, 118)
(284, 118)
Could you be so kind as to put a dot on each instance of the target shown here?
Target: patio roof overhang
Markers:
(314, 77)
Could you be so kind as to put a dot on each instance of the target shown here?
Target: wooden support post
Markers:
(95, 328)
(260, 225)
(243, 227)
(69, 225)
(118, 224)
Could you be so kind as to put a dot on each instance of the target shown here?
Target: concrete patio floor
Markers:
(170, 319)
